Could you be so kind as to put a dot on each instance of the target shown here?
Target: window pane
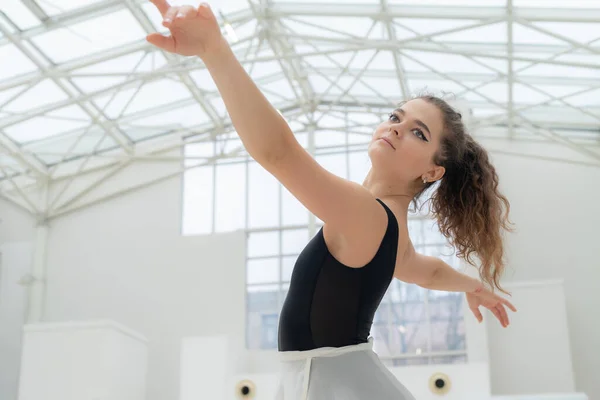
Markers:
(262, 244)
(431, 232)
(230, 186)
(269, 325)
(294, 240)
(197, 201)
(334, 163)
(293, 212)
(261, 300)
(359, 166)
(262, 271)
(449, 359)
(302, 138)
(196, 153)
(287, 267)
(330, 138)
(263, 197)
(410, 334)
(447, 322)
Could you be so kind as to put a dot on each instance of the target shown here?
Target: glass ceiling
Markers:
(80, 88)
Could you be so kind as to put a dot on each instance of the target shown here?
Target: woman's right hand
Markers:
(194, 31)
(496, 304)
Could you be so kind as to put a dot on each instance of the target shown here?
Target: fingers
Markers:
(162, 5)
(178, 14)
(496, 312)
(187, 12)
(166, 43)
(477, 313)
(503, 313)
(170, 16)
(509, 305)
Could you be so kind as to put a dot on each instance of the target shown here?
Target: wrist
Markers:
(477, 287)
(216, 52)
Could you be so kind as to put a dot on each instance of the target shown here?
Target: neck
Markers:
(398, 195)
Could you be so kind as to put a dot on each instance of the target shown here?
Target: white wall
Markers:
(125, 260)
(16, 224)
(15, 263)
(16, 234)
(525, 361)
(555, 209)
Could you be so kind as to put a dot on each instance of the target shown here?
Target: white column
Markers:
(37, 280)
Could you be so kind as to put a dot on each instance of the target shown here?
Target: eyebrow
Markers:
(417, 121)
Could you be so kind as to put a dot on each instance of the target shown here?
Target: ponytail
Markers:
(470, 210)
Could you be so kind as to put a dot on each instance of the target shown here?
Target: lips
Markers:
(388, 142)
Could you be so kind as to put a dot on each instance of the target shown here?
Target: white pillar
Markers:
(37, 281)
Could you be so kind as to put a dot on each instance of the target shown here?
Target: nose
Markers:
(395, 129)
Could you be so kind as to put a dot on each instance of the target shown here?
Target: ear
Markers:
(435, 174)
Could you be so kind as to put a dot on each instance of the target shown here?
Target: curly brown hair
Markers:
(470, 210)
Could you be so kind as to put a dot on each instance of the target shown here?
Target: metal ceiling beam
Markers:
(282, 10)
(25, 160)
(35, 9)
(376, 102)
(66, 68)
(350, 45)
(285, 43)
(105, 7)
(185, 78)
(399, 67)
(68, 207)
(292, 69)
(89, 109)
(89, 12)
(465, 77)
(509, 61)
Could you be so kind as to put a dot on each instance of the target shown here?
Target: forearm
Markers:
(263, 131)
(446, 278)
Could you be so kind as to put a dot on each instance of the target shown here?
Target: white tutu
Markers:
(345, 373)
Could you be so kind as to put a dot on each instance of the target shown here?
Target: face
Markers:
(404, 146)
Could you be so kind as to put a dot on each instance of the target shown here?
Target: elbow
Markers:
(428, 278)
(275, 152)
(432, 276)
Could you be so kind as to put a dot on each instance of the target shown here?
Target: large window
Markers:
(412, 325)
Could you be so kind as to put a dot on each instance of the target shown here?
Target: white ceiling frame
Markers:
(30, 206)
(529, 124)
(25, 160)
(107, 125)
(432, 12)
(292, 69)
(206, 106)
(69, 207)
(568, 122)
(35, 9)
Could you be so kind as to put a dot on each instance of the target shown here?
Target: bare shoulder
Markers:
(356, 247)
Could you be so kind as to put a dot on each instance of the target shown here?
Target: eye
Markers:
(394, 117)
(419, 133)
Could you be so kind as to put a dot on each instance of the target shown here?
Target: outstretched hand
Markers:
(496, 304)
(194, 31)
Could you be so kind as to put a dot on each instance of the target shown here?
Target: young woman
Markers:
(342, 274)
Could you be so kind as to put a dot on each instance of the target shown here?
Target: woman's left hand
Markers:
(496, 304)
(194, 31)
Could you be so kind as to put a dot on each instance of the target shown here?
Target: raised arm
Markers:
(433, 273)
(266, 135)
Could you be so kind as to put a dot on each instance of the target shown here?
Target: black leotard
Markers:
(332, 305)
